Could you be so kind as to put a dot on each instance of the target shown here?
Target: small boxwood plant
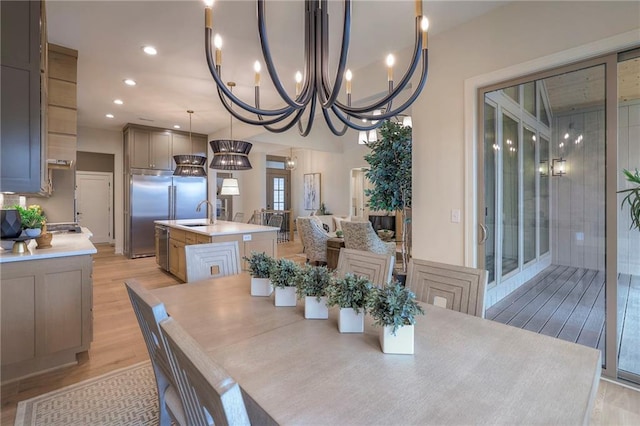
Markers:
(351, 291)
(283, 273)
(313, 281)
(393, 305)
(260, 264)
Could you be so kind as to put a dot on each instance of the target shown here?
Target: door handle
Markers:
(485, 234)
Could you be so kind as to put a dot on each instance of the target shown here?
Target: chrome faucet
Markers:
(210, 210)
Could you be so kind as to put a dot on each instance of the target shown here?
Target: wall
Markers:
(60, 206)
(505, 43)
(108, 142)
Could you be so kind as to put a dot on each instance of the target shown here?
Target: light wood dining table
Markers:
(465, 370)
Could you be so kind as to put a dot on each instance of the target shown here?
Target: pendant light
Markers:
(230, 154)
(291, 162)
(190, 165)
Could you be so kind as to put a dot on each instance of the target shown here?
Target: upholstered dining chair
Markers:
(314, 239)
(206, 389)
(361, 236)
(212, 260)
(453, 287)
(377, 268)
(150, 311)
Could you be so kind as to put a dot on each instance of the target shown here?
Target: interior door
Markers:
(95, 204)
(278, 189)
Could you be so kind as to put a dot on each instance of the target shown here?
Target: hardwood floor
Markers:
(117, 341)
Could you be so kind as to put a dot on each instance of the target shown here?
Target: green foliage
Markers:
(632, 198)
(31, 217)
(390, 172)
(313, 281)
(349, 292)
(283, 273)
(259, 264)
(394, 306)
(323, 210)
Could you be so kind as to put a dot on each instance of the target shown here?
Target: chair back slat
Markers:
(212, 260)
(206, 389)
(458, 288)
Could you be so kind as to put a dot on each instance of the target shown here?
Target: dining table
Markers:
(464, 370)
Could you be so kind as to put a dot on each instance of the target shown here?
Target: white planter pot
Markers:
(401, 343)
(285, 296)
(261, 287)
(314, 309)
(350, 322)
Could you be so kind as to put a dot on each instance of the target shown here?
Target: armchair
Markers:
(361, 236)
(314, 239)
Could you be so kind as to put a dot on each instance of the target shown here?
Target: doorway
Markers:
(95, 204)
(359, 200)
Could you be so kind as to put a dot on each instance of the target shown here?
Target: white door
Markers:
(95, 204)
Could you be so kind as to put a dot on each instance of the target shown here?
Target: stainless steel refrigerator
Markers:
(159, 196)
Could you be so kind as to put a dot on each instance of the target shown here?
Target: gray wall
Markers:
(95, 162)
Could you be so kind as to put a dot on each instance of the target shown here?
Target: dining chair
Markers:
(314, 239)
(206, 389)
(361, 236)
(377, 268)
(211, 260)
(238, 217)
(150, 311)
(459, 288)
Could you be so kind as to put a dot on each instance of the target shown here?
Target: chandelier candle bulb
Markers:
(208, 13)
(424, 24)
(298, 82)
(418, 7)
(390, 61)
(256, 68)
(348, 76)
(217, 42)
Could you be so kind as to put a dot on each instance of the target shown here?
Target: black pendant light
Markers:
(190, 165)
(230, 154)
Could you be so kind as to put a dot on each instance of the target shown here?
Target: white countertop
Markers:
(62, 245)
(221, 227)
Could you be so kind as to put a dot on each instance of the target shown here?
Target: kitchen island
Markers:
(184, 232)
(46, 306)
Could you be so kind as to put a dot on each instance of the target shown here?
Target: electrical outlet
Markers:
(455, 216)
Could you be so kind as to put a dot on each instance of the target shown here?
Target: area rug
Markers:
(122, 397)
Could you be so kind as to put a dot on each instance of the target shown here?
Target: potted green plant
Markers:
(259, 267)
(632, 198)
(390, 174)
(283, 274)
(350, 295)
(394, 308)
(312, 284)
(32, 219)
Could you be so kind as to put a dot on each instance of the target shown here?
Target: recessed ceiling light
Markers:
(109, 116)
(176, 126)
(150, 50)
(129, 82)
(118, 101)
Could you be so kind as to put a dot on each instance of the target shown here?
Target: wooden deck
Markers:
(568, 303)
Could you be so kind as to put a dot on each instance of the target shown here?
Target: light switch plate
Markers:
(455, 216)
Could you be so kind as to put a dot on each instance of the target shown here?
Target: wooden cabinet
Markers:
(177, 259)
(22, 163)
(154, 148)
(46, 313)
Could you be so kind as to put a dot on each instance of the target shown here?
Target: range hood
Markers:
(59, 164)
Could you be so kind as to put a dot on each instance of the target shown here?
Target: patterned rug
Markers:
(122, 397)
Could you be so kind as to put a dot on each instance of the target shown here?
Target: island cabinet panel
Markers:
(46, 313)
(247, 242)
(18, 319)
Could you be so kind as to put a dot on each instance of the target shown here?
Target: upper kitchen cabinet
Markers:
(154, 148)
(22, 146)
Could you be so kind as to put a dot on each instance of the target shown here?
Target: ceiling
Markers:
(109, 36)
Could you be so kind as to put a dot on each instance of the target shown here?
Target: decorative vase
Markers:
(350, 322)
(285, 296)
(314, 309)
(261, 287)
(44, 240)
(401, 343)
(32, 232)
(10, 223)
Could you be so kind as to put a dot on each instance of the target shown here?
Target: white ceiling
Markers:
(109, 36)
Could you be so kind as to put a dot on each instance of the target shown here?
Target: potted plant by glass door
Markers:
(259, 267)
(350, 295)
(312, 284)
(283, 274)
(394, 308)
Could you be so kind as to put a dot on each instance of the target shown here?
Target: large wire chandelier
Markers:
(315, 85)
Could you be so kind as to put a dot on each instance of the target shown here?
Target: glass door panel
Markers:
(490, 154)
(529, 172)
(544, 196)
(510, 194)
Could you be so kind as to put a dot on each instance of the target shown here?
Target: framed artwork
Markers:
(312, 191)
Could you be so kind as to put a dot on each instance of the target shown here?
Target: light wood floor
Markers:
(117, 341)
